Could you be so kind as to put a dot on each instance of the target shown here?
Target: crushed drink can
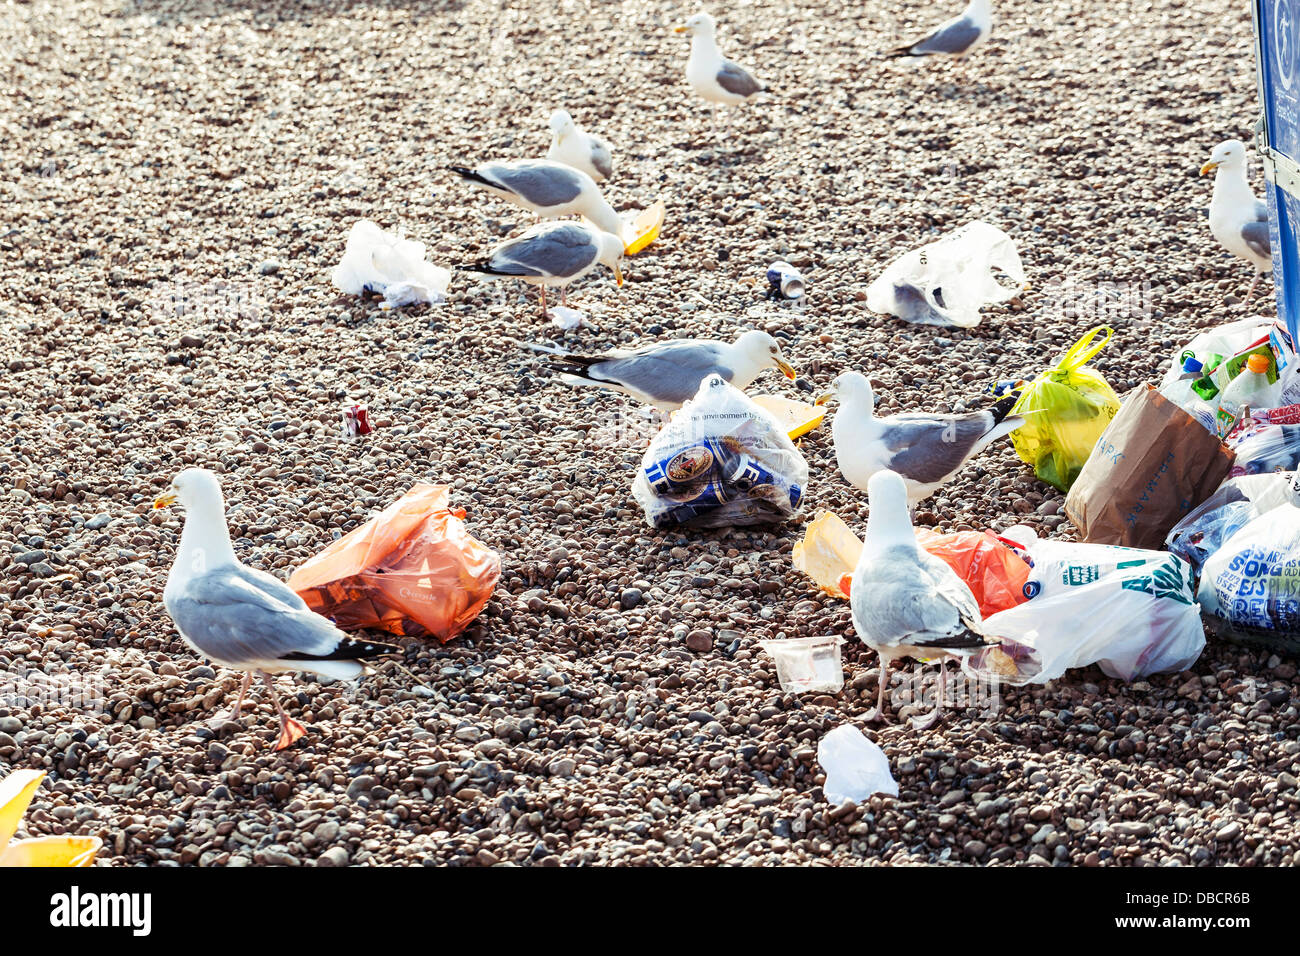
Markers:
(785, 280)
(356, 421)
(688, 467)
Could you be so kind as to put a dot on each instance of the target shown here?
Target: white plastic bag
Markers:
(721, 461)
(948, 281)
(379, 261)
(1129, 611)
(1237, 502)
(855, 767)
(1254, 577)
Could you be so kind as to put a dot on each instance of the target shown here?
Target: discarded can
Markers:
(356, 421)
(785, 280)
(1006, 387)
(702, 495)
(687, 467)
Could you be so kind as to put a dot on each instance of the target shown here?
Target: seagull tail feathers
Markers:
(347, 649)
(464, 172)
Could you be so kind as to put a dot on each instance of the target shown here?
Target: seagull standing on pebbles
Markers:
(547, 188)
(574, 146)
(906, 602)
(957, 38)
(926, 450)
(554, 254)
(242, 618)
(709, 73)
(1237, 218)
(668, 374)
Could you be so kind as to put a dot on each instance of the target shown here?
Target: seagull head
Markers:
(190, 488)
(701, 23)
(850, 388)
(561, 124)
(1230, 155)
(764, 352)
(612, 251)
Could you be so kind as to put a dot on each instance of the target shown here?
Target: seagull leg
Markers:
(542, 289)
(1251, 290)
(925, 723)
(881, 684)
(224, 718)
(290, 730)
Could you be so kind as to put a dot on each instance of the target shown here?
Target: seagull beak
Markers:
(1209, 168)
(618, 275)
(164, 501)
(823, 399)
(787, 369)
(681, 29)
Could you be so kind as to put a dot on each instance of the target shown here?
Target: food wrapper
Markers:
(797, 418)
(412, 570)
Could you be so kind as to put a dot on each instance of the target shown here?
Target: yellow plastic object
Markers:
(797, 418)
(645, 228)
(829, 550)
(16, 792)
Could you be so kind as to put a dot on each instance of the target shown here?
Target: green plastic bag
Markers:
(1065, 409)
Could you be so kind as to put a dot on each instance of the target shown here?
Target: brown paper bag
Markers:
(1151, 466)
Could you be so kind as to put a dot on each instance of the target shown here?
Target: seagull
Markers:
(243, 618)
(1237, 218)
(554, 254)
(905, 602)
(576, 147)
(926, 450)
(709, 73)
(957, 38)
(547, 188)
(668, 374)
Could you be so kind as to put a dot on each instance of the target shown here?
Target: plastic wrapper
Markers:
(806, 664)
(1066, 409)
(414, 570)
(379, 261)
(948, 281)
(1237, 502)
(1129, 611)
(855, 767)
(1263, 447)
(1253, 579)
(721, 461)
(993, 571)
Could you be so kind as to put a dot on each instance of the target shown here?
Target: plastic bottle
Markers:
(1183, 393)
(1249, 390)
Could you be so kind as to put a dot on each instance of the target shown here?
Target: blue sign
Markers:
(1277, 26)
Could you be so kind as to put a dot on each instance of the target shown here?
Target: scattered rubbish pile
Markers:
(414, 569)
(721, 461)
(947, 282)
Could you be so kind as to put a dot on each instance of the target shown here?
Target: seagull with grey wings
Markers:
(957, 38)
(1237, 219)
(710, 74)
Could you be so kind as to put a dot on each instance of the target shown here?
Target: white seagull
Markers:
(1237, 218)
(668, 374)
(554, 254)
(547, 188)
(906, 602)
(709, 73)
(243, 618)
(574, 146)
(957, 38)
(926, 450)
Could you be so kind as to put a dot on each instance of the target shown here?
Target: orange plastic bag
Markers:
(413, 570)
(995, 574)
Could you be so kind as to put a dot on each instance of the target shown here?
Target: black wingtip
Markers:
(1002, 407)
(348, 649)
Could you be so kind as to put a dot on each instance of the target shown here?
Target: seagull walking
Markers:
(710, 74)
(243, 618)
(957, 38)
(925, 450)
(575, 147)
(554, 254)
(905, 602)
(668, 374)
(1237, 219)
(547, 188)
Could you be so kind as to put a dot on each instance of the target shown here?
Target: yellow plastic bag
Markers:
(1066, 409)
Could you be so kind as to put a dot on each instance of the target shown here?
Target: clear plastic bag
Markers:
(1253, 579)
(1066, 409)
(1129, 611)
(721, 461)
(1237, 502)
(1262, 447)
(948, 281)
(855, 767)
(379, 261)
